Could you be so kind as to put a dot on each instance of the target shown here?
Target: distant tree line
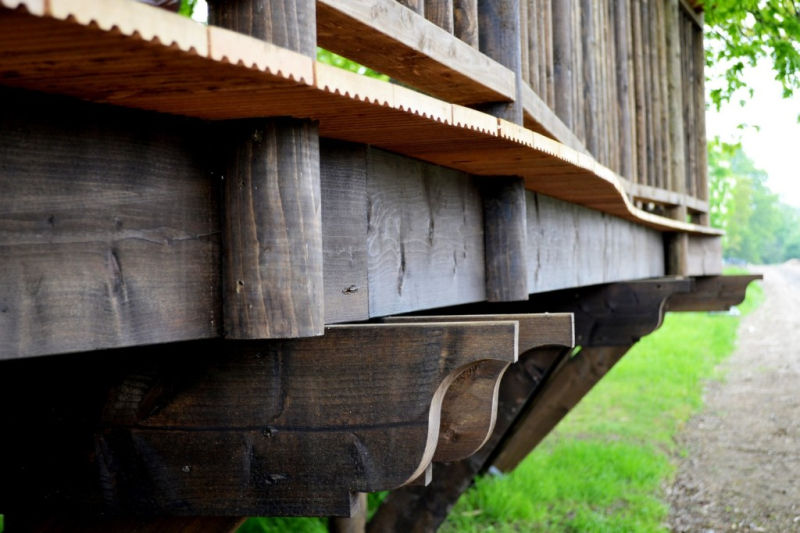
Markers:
(759, 228)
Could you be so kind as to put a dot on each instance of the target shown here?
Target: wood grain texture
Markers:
(499, 37)
(404, 45)
(343, 177)
(469, 410)
(294, 426)
(675, 91)
(713, 293)
(272, 231)
(465, 21)
(440, 12)
(505, 239)
(558, 396)
(425, 236)
(704, 255)
(350, 107)
(563, 74)
(272, 228)
(109, 236)
(591, 243)
(423, 509)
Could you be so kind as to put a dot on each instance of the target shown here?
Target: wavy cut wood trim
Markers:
(105, 52)
(469, 410)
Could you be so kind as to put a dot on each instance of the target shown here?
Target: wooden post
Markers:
(272, 229)
(590, 79)
(418, 6)
(440, 12)
(465, 21)
(562, 60)
(700, 125)
(627, 161)
(498, 26)
(505, 239)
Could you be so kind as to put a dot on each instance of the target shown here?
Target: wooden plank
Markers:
(700, 124)
(415, 51)
(704, 256)
(109, 236)
(469, 410)
(589, 83)
(293, 423)
(540, 118)
(564, 234)
(640, 139)
(713, 293)
(425, 236)
(343, 178)
(465, 26)
(505, 239)
(499, 39)
(675, 88)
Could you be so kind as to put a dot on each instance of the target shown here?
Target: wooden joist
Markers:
(290, 427)
(608, 319)
(215, 74)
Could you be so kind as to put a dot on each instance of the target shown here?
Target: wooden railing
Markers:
(621, 81)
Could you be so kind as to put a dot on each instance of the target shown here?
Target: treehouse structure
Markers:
(235, 281)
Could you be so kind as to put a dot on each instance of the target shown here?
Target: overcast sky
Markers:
(775, 145)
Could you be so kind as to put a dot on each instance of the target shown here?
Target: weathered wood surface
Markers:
(394, 40)
(425, 236)
(272, 283)
(349, 107)
(562, 61)
(294, 428)
(440, 12)
(343, 178)
(71, 524)
(353, 524)
(505, 239)
(704, 256)
(590, 242)
(499, 30)
(469, 410)
(109, 235)
(713, 293)
(465, 26)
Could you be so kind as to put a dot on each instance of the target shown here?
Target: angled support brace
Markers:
(608, 319)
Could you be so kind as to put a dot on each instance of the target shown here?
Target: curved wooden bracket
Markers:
(713, 293)
(470, 406)
(288, 427)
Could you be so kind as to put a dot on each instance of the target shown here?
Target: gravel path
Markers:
(742, 469)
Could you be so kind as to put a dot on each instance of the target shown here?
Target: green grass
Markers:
(605, 467)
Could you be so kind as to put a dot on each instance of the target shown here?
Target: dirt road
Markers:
(742, 471)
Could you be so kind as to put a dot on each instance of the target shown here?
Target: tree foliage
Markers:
(759, 228)
(740, 32)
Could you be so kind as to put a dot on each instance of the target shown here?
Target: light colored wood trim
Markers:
(394, 40)
(541, 119)
(264, 82)
(657, 195)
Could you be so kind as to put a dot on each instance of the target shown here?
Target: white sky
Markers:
(775, 146)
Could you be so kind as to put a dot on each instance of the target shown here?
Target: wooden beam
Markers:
(499, 31)
(295, 427)
(416, 51)
(713, 293)
(469, 409)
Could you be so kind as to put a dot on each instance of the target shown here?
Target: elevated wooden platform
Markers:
(133, 55)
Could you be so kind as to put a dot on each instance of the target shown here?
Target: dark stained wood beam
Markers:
(713, 293)
(227, 428)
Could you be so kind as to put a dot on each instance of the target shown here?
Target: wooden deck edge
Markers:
(547, 166)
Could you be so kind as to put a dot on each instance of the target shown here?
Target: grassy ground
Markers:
(605, 467)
